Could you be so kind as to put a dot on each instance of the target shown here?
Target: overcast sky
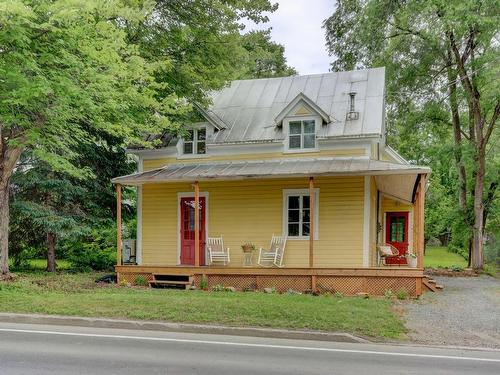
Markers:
(297, 25)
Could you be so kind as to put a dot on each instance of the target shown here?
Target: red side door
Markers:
(397, 234)
(187, 231)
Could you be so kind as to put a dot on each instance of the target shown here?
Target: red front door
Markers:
(187, 231)
(397, 234)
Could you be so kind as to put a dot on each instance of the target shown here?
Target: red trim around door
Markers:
(187, 233)
(396, 234)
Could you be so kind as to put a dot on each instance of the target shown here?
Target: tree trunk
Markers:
(51, 252)
(9, 157)
(477, 254)
(4, 229)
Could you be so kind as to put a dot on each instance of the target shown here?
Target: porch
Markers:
(341, 206)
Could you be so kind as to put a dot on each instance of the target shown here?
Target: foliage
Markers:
(141, 281)
(442, 96)
(96, 252)
(402, 294)
(80, 295)
(203, 283)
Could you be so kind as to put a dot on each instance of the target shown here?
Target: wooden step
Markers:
(439, 287)
(171, 282)
(429, 285)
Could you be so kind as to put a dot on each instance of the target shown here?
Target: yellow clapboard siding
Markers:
(157, 163)
(252, 211)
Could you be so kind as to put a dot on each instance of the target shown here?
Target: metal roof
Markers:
(277, 168)
(248, 108)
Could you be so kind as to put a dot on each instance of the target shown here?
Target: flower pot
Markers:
(412, 262)
(247, 249)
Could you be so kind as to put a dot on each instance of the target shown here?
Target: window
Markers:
(297, 216)
(302, 134)
(194, 142)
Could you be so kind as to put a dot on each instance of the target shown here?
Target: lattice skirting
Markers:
(132, 277)
(348, 285)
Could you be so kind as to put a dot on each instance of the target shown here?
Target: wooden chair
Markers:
(386, 251)
(273, 256)
(216, 251)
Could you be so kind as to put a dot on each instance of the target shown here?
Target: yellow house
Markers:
(301, 158)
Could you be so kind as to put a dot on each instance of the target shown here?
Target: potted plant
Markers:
(412, 260)
(248, 247)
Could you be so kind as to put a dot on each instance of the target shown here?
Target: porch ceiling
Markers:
(278, 168)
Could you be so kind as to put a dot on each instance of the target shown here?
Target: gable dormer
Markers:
(300, 121)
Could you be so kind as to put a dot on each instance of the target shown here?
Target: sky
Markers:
(297, 25)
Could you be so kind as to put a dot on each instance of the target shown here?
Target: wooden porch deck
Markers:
(349, 281)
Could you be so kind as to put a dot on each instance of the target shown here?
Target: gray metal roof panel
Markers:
(268, 169)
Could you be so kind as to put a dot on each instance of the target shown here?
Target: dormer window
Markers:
(302, 135)
(195, 142)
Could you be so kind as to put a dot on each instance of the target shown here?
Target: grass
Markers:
(78, 295)
(41, 264)
(440, 257)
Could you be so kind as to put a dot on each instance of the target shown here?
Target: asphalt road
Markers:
(48, 349)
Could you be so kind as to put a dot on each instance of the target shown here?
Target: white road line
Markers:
(228, 343)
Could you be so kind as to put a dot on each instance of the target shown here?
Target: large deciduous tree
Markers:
(443, 69)
(66, 68)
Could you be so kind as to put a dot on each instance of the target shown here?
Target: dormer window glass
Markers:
(195, 142)
(302, 134)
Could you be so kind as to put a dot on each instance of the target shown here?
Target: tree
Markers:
(68, 67)
(442, 63)
(74, 71)
(45, 206)
(265, 58)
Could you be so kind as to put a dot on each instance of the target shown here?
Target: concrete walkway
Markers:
(465, 313)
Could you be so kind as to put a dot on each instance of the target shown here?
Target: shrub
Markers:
(402, 294)
(203, 283)
(141, 281)
(218, 288)
(339, 294)
(96, 252)
(389, 294)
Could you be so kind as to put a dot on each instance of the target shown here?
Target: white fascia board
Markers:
(285, 112)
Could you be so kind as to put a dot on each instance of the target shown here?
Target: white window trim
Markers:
(189, 195)
(290, 192)
(194, 154)
(286, 131)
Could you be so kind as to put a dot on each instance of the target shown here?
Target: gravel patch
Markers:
(465, 313)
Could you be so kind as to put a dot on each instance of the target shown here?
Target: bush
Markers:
(402, 294)
(141, 281)
(95, 252)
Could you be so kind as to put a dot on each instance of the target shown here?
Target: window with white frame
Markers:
(194, 142)
(302, 134)
(297, 218)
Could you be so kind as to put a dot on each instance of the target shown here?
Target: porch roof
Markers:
(402, 175)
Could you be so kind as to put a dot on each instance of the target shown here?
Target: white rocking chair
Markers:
(273, 256)
(216, 251)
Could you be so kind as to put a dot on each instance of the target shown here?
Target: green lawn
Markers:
(41, 264)
(440, 257)
(77, 294)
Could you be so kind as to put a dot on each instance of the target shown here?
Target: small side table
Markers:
(247, 259)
